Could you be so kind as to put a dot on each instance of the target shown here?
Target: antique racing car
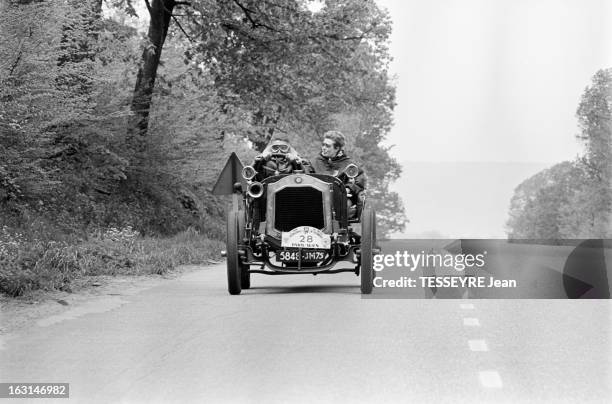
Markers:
(298, 223)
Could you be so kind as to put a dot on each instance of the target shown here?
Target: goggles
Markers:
(280, 148)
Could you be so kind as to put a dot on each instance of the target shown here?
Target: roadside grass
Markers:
(28, 264)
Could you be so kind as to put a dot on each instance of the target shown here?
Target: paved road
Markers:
(313, 339)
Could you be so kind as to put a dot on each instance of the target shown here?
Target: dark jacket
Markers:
(335, 165)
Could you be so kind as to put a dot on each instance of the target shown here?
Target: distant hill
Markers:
(459, 199)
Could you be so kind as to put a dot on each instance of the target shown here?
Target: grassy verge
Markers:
(30, 264)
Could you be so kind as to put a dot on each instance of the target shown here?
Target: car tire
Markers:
(245, 278)
(368, 243)
(245, 275)
(233, 260)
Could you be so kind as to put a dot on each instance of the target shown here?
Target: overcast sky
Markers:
(493, 80)
(487, 81)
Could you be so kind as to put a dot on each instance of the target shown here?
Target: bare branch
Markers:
(247, 12)
(181, 28)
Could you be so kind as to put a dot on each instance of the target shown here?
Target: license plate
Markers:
(307, 255)
(306, 237)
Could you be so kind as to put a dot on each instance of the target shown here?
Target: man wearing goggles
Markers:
(279, 158)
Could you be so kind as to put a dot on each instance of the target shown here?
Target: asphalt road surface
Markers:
(314, 339)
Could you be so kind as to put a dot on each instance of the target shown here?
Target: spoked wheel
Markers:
(233, 260)
(368, 243)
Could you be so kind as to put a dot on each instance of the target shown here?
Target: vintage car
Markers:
(298, 223)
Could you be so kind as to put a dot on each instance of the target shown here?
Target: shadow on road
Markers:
(348, 289)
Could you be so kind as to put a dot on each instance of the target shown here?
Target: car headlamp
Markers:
(248, 173)
(351, 170)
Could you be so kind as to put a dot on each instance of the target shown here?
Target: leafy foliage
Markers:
(277, 66)
(98, 130)
(595, 121)
(537, 207)
(289, 66)
(29, 264)
(573, 199)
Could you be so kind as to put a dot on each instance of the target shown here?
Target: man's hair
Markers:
(336, 137)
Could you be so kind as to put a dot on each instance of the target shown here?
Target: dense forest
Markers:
(573, 199)
(116, 116)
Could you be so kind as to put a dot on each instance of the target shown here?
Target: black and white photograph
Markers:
(305, 201)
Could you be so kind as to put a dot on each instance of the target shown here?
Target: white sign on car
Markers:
(306, 237)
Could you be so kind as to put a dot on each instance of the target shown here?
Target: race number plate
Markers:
(306, 237)
(306, 255)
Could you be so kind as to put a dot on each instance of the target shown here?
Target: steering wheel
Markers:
(297, 164)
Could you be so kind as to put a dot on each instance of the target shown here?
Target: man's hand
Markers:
(265, 155)
(293, 157)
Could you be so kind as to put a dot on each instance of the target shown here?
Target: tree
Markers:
(76, 141)
(58, 149)
(27, 98)
(286, 68)
(538, 206)
(291, 66)
(573, 199)
(184, 140)
(160, 13)
(595, 121)
(274, 56)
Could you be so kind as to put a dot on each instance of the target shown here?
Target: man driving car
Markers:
(279, 157)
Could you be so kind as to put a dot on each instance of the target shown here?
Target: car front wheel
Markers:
(245, 275)
(233, 260)
(368, 242)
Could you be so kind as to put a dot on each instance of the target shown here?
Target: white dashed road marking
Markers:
(478, 345)
(490, 379)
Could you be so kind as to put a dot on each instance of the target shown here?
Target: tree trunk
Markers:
(161, 13)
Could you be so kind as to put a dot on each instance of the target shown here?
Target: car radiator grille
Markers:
(301, 206)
